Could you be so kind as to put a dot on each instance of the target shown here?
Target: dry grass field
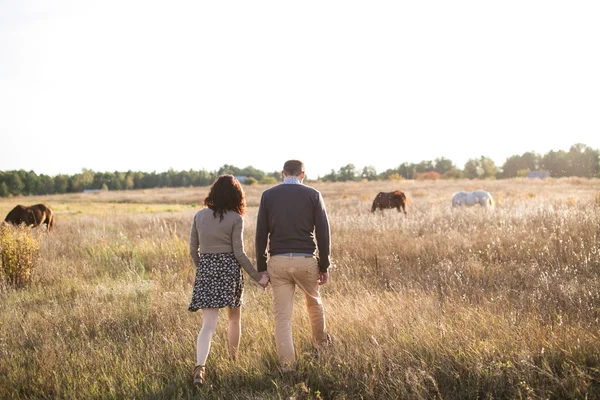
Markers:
(438, 304)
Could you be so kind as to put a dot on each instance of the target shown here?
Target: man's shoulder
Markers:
(283, 188)
(312, 189)
(273, 190)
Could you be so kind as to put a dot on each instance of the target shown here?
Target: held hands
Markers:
(264, 280)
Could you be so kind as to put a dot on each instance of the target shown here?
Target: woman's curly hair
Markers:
(226, 194)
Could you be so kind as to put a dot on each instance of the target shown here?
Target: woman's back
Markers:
(214, 234)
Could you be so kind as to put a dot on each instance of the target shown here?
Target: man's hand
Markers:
(323, 278)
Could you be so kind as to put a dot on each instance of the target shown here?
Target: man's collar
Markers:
(291, 180)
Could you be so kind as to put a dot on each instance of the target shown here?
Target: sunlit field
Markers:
(437, 304)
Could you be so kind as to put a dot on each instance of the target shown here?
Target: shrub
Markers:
(19, 253)
(269, 180)
(395, 177)
(427, 176)
(250, 181)
(452, 174)
(522, 173)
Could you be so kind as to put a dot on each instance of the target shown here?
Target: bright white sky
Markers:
(147, 86)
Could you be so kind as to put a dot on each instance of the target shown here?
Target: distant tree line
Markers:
(14, 183)
(580, 160)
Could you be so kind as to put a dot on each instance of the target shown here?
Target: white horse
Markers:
(472, 198)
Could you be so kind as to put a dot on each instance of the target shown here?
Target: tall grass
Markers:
(19, 253)
(452, 304)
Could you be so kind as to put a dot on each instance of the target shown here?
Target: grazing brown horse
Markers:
(35, 215)
(395, 199)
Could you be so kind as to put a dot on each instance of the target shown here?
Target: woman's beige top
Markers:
(209, 235)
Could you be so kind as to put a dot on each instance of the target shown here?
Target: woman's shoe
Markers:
(199, 372)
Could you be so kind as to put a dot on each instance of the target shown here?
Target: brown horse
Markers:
(395, 199)
(35, 215)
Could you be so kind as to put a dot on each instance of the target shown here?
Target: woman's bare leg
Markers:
(235, 331)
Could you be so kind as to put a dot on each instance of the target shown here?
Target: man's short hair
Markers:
(293, 168)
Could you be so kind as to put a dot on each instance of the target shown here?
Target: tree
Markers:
(443, 165)
(511, 167)
(407, 170)
(46, 185)
(555, 162)
(82, 181)
(424, 166)
(14, 183)
(583, 161)
(472, 169)
(31, 182)
(252, 172)
(138, 180)
(229, 169)
(369, 173)
(481, 168)
(489, 168)
(331, 177)
(129, 181)
(3, 190)
(347, 173)
(150, 180)
(516, 164)
(61, 183)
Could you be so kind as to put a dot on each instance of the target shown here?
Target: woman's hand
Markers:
(264, 280)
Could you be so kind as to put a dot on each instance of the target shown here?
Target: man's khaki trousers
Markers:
(287, 272)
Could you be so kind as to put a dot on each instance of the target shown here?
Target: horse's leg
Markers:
(50, 221)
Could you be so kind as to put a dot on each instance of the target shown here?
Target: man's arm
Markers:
(261, 238)
(323, 235)
(323, 278)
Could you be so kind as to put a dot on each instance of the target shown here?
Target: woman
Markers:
(217, 249)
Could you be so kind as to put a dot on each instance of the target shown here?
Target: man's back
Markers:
(289, 217)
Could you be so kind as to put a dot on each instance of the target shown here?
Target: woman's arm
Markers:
(194, 243)
(239, 252)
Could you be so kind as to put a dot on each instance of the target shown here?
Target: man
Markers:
(290, 215)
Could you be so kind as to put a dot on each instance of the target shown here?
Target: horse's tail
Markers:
(488, 201)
